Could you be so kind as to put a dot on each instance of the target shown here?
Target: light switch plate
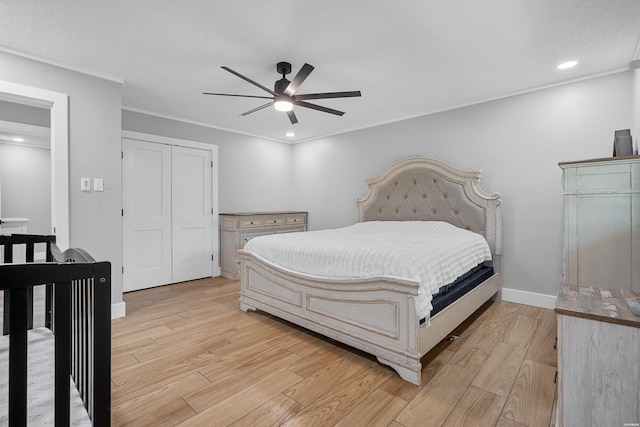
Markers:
(85, 184)
(98, 184)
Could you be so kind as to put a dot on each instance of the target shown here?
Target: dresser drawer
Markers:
(275, 220)
(250, 222)
(296, 219)
(615, 177)
(598, 178)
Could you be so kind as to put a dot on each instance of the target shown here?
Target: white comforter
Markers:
(432, 252)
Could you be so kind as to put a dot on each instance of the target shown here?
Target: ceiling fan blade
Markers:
(328, 95)
(292, 117)
(249, 80)
(319, 108)
(298, 79)
(241, 96)
(257, 108)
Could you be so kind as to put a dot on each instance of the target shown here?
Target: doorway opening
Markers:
(58, 104)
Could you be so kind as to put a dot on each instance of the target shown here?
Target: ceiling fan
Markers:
(284, 92)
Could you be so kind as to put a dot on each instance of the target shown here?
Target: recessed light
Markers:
(568, 64)
(290, 134)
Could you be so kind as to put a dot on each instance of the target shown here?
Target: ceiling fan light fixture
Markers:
(283, 105)
(284, 94)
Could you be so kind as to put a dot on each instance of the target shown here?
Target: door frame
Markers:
(145, 137)
(58, 103)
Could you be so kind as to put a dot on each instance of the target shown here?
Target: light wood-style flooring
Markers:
(186, 355)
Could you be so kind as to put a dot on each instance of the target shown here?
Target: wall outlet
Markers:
(85, 184)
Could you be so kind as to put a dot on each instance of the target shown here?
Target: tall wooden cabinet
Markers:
(601, 222)
(236, 229)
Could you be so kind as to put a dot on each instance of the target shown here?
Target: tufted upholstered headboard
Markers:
(426, 189)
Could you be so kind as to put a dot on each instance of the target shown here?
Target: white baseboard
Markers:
(529, 298)
(118, 310)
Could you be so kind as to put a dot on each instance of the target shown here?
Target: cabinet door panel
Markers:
(604, 241)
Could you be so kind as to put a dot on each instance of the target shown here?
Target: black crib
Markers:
(77, 311)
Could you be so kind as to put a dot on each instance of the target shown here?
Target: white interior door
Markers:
(191, 214)
(146, 214)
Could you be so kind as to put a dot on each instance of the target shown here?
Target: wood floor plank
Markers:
(184, 357)
(469, 325)
(244, 341)
(170, 414)
(123, 361)
(143, 334)
(531, 311)
(499, 371)
(504, 422)
(520, 330)
(311, 343)
(329, 408)
(531, 399)
(379, 409)
(431, 365)
(130, 347)
(543, 347)
(477, 407)
(147, 404)
(325, 379)
(437, 398)
(308, 366)
(272, 413)
(475, 349)
(239, 404)
(168, 347)
(239, 378)
(261, 355)
(501, 316)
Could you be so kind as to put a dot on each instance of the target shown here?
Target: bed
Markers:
(380, 314)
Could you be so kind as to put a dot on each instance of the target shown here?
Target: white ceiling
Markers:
(408, 57)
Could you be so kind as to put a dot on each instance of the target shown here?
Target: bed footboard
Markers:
(377, 316)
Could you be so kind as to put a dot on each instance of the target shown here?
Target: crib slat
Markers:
(18, 358)
(8, 258)
(62, 322)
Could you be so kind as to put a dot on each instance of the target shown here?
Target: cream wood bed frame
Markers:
(380, 316)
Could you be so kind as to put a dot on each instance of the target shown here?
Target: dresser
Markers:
(236, 229)
(598, 356)
(601, 222)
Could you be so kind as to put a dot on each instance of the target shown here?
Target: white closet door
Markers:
(192, 216)
(147, 214)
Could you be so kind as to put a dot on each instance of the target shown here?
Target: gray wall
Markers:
(26, 188)
(254, 174)
(36, 116)
(517, 142)
(94, 151)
